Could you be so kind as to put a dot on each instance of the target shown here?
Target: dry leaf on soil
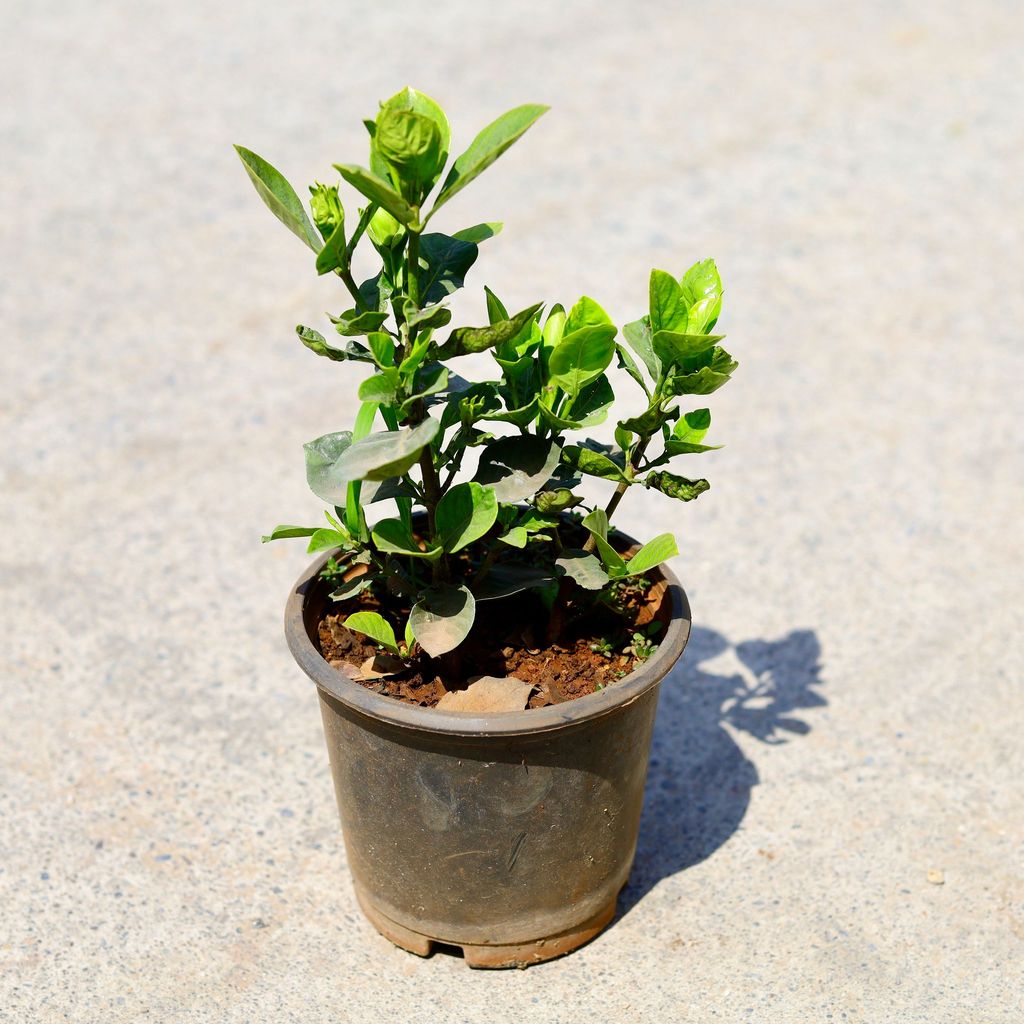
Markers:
(488, 694)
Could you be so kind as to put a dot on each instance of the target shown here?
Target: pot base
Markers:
(492, 954)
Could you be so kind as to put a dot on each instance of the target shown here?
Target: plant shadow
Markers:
(699, 780)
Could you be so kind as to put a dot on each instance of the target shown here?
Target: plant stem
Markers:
(353, 288)
(635, 456)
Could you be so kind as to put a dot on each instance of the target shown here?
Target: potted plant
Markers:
(487, 656)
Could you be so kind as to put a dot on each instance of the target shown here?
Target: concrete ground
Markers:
(834, 820)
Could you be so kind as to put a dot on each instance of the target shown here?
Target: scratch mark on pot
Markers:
(464, 853)
(516, 847)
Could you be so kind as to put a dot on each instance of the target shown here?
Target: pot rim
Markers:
(503, 723)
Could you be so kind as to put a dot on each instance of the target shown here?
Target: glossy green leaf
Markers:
(627, 363)
(316, 342)
(593, 463)
(279, 197)
(375, 626)
(479, 232)
(517, 467)
(558, 500)
(410, 145)
(442, 618)
(583, 567)
(693, 426)
(638, 335)
(581, 357)
(324, 539)
(707, 379)
(428, 318)
(516, 537)
(653, 553)
(486, 148)
(667, 305)
(389, 453)
(496, 311)
(597, 524)
(384, 230)
(676, 349)
(322, 456)
(588, 409)
(282, 532)
(586, 313)
(676, 486)
(352, 324)
(351, 588)
(445, 261)
(381, 387)
(394, 536)
(467, 340)
(701, 287)
(378, 191)
(464, 514)
(506, 580)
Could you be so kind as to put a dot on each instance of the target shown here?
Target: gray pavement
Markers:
(835, 815)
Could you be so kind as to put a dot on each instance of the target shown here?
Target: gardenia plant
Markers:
(550, 385)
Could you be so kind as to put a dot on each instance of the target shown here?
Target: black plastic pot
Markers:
(510, 834)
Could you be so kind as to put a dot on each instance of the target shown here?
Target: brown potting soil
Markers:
(592, 651)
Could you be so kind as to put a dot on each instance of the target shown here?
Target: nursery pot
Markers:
(508, 835)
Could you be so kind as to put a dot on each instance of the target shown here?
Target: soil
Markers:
(593, 650)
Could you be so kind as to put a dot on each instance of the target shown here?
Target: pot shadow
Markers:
(699, 780)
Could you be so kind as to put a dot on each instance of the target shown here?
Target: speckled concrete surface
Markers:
(849, 716)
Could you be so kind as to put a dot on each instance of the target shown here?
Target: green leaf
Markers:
(323, 539)
(375, 626)
(627, 363)
(429, 380)
(496, 311)
(701, 287)
(427, 318)
(517, 467)
(638, 334)
(581, 357)
(377, 190)
(650, 421)
(516, 537)
(394, 536)
(479, 232)
(316, 342)
(559, 500)
(597, 524)
(352, 323)
(279, 196)
(586, 313)
(410, 144)
(351, 588)
(668, 307)
(676, 486)
(653, 553)
(486, 148)
(705, 380)
(508, 579)
(282, 532)
(322, 456)
(442, 618)
(382, 346)
(381, 387)
(584, 568)
(693, 426)
(464, 514)
(328, 213)
(445, 261)
(384, 454)
(593, 463)
(383, 229)
(467, 340)
(677, 348)
(588, 409)
(332, 461)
